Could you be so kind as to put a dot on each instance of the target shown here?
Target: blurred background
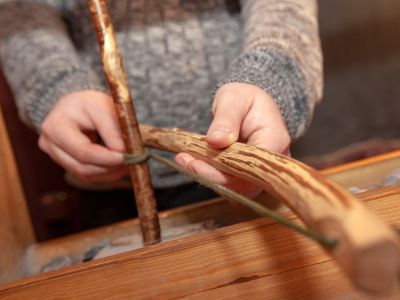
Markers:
(360, 109)
(358, 117)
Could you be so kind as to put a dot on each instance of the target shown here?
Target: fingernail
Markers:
(181, 160)
(221, 133)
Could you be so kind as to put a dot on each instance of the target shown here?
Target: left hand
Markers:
(67, 136)
(242, 112)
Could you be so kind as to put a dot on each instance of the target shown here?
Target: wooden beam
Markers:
(366, 173)
(16, 232)
(253, 260)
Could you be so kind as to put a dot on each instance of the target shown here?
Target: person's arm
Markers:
(39, 60)
(56, 93)
(281, 54)
(269, 92)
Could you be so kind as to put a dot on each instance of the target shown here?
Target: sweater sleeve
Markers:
(39, 60)
(281, 54)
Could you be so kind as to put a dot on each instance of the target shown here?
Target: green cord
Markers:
(133, 159)
(222, 190)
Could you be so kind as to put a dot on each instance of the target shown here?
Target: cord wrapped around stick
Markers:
(116, 77)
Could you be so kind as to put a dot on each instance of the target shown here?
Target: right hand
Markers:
(255, 120)
(68, 132)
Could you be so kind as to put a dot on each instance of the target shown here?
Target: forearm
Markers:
(39, 59)
(281, 54)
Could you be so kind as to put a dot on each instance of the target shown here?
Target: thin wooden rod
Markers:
(116, 77)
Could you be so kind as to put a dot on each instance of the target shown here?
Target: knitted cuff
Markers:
(279, 76)
(58, 84)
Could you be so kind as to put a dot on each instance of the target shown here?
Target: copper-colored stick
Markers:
(116, 77)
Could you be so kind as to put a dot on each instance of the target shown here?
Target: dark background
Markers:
(361, 46)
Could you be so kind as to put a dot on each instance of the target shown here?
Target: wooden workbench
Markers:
(248, 258)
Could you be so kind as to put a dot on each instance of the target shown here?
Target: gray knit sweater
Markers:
(176, 53)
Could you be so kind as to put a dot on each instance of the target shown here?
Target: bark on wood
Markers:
(117, 81)
(368, 250)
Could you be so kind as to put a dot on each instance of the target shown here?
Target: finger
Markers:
(270, 139)
(206, 170)
(183, 159)
(81, 148)
(107, 125)
(264, 127)
(111, 176)
(225, 127)
(234, 183)
(74, 166)
(202, 168)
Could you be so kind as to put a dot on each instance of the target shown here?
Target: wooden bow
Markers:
(367, 250)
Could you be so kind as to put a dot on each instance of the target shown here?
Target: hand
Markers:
(246, 113)
(68, 132)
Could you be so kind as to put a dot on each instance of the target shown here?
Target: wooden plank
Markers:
(367, 173)
(229, 262)
(16, 232)
(322, 280)
(295, 284)
(218, 210)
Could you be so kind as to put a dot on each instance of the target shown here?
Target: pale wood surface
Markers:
(217, 210)
(252, 260)
(368, 173)
(368, 250)
(16, 232)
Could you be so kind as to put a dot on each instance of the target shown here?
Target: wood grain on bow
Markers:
(368, 250)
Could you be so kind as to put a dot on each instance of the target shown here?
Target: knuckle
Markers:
(285, 141)
(83, 155)
(224, 93)
(191, 166)
(42, 143)
(46, 127)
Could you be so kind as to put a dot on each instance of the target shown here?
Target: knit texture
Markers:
(176, 53)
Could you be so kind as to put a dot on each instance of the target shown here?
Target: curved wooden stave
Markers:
(368, 250)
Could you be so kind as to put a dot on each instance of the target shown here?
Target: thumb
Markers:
(229, 112)
(106, 122)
